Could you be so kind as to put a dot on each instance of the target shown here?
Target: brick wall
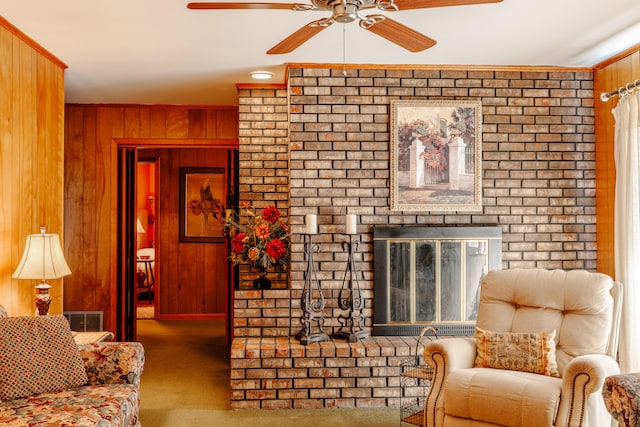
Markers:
(538, 168)
(263, 157)
(538, 183)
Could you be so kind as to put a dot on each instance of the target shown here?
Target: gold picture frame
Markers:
(436, 155)
(202, 205)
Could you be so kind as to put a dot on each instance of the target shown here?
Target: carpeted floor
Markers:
(186, 384)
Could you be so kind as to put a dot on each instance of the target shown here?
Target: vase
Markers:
(262, 282)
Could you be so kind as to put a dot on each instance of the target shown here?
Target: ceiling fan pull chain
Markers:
(344, 50)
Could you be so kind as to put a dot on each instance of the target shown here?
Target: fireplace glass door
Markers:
(433, 281)
(430, 276)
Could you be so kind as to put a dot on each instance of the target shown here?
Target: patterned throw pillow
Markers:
(38, 355)
(524, 351)
(3, 311)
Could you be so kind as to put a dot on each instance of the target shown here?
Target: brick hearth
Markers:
(279, 373)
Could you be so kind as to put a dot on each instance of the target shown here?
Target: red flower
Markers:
(236, 243)
(275, 248)
(270, 214)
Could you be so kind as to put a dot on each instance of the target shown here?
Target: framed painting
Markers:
(202, 205)
(436, 155)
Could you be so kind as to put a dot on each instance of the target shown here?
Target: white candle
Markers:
(351, 224)
(311, 224)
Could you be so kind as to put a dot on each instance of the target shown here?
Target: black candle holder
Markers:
(311, 301)
(350, 298)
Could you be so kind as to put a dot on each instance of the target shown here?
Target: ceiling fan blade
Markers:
(401, 35)
(234, 5)
(294, 41)
(424, 4)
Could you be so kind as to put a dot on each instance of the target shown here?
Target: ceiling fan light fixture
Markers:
(345, 13)
(261, 75)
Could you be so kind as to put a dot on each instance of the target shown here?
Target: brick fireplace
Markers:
(321, 146)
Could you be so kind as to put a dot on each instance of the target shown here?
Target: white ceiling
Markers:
(160, 52)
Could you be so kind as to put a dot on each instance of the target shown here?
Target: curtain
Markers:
(627, 226)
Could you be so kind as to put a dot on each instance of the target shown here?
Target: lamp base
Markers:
(43, 299)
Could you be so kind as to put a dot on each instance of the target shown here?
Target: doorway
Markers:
(147, 270)
(191, 281)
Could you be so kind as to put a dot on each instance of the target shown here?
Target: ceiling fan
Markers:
(346, 11)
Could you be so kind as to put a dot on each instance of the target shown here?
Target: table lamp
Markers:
(42, 259)
(140, 227)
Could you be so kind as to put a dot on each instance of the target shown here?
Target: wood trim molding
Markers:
(617, 57)
(196, 316)
(176, 143)
(173, 106)
(525, 68)
(32, 43)
(261, 86)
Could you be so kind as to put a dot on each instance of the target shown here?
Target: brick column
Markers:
(264, 180)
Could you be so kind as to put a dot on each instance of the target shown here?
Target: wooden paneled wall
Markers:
(93, 133)
(610, 75)
(31, 159)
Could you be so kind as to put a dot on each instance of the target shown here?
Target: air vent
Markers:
(457, 329)
(84, 321)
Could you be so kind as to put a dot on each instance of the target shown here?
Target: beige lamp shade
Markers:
(140, 227)
(42, 258)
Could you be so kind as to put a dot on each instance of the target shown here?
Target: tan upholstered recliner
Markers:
(582, 308)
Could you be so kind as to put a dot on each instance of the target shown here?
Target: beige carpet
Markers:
(186, 384)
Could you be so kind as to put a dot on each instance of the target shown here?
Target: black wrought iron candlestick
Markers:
(312, 301)
(350, 298)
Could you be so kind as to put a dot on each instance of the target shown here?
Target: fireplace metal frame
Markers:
(492, 234)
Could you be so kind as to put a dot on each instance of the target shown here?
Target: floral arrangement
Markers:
(261, 239)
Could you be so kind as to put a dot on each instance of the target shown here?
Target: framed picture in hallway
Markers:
(202, 203)
(436, 155)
